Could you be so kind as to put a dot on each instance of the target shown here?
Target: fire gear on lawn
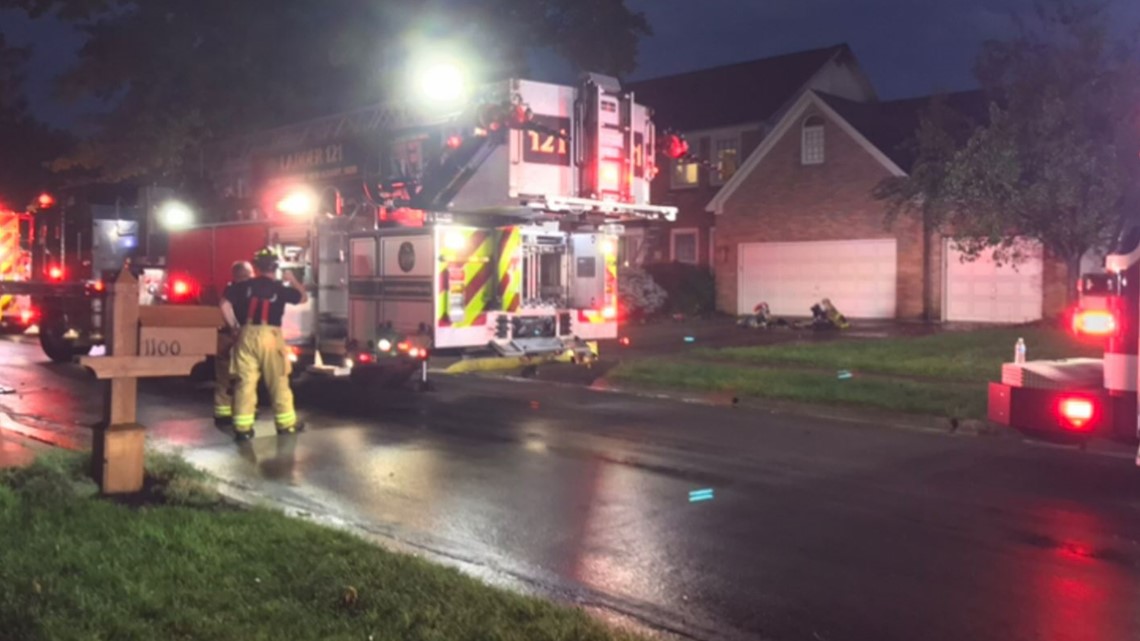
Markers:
(260, 351)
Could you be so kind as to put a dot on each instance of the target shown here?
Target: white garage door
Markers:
(857, 275)
(981, 291)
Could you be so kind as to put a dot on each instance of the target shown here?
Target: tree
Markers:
(28, 145)
(1056, 159)
(177, 73)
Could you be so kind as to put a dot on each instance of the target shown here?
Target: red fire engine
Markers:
(494, 226)
(1076, 399)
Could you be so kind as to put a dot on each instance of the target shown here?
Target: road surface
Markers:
(818, 530)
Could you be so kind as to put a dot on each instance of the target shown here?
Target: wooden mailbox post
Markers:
(141, 342)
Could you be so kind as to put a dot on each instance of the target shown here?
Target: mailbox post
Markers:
(143, 342)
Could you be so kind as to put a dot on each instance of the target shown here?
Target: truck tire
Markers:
(55, 346)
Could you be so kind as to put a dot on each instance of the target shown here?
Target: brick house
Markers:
(725, 112)
(798, 222)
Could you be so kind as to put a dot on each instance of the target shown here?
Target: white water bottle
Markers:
(1019, 351)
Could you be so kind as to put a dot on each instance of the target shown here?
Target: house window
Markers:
(683, 246)
(811, 141)
(725, 158)
(685, 174)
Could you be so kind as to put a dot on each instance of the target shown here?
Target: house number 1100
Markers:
(158, 347)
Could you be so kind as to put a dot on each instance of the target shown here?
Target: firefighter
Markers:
(258, 305)
(223, 379)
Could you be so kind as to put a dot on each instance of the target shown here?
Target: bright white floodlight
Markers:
(441, 81)
(175, 215)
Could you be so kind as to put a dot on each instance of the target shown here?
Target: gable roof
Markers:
(751, 91)
(880, 128)
(891, 124)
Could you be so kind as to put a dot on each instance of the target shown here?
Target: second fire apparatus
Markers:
(1075, 399)
(495, 225)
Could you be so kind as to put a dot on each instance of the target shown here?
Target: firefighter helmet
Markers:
(265, 259)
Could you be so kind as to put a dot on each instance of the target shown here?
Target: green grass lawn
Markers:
(967, 356)
(943, 374)
(74, 566)
(913, 397)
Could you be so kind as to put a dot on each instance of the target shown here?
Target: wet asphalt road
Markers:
(819, 530)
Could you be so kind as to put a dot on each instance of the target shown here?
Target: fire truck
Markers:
(1072, 400)
(493, 227)
(16, 314)
(55, 259)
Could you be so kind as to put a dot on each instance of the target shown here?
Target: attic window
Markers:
(811, 141)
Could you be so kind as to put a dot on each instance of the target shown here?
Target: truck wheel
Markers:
(55, 346)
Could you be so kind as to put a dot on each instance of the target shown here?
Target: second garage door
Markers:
(859, 276)
(981, 291)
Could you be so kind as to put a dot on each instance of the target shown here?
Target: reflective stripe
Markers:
(223, 410)
(285, 420)
(243, 420)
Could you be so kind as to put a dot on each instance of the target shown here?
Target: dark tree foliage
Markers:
(1056, 159)
(182, 72)
(26, 145)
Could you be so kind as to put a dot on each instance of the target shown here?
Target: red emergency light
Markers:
(609, 313)
(55, 272)
(181, 289)
(454, 142)
(45, 200)
(364, 358)
(674, 146)
(1076, 413)
(26, 316)
(1094, 322)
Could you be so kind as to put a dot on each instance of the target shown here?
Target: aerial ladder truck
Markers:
(492, 227)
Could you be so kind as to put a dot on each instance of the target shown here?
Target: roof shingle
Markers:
(734, 94)
(891, 124)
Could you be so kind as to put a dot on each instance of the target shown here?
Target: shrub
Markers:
(690, 288)
(638, 294)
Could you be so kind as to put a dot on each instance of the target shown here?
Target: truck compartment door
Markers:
(587, 272)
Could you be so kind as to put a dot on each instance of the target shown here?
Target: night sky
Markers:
(907, 47)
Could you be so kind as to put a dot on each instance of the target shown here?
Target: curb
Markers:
(855, 415)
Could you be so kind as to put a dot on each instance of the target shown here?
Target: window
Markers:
(685, 174)
(725, 158)
(811, 141)
(684, 246)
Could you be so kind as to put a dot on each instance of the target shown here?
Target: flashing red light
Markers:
(45, 200)
(364, 358)
(609, 175)
(454, 142)
(98, 286)
(1077, 413)
(414, 352)
(624, 340)
(1094, 322)
(609, 312)
(403, 346)
(675, 146)
(180, 288)
(55, 273)
(26, 316)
